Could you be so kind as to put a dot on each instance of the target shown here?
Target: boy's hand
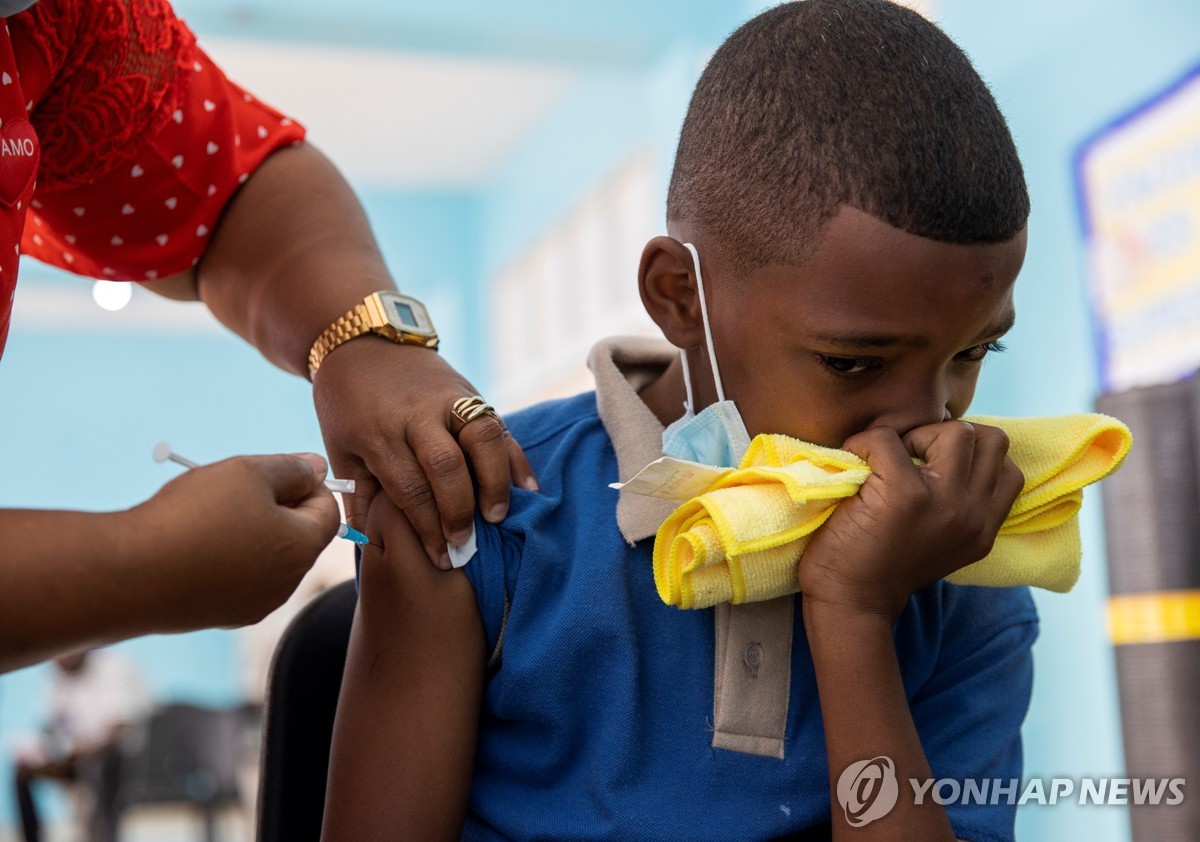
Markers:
(228, 542)
(911, 525)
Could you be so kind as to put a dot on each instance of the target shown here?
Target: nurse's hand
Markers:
(225, 544)
(385, 411)
(222, 545)
(292, 253)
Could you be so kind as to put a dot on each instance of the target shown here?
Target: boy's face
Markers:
(878, 328)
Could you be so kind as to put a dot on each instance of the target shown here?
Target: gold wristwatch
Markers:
(386, 313)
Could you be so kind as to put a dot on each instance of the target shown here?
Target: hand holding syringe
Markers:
(163, 453)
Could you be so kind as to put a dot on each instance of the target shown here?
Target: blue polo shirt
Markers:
(597, 720)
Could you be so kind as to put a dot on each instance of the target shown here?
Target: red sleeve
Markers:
(144, 140)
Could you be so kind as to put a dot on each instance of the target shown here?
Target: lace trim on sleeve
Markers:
(122, 66)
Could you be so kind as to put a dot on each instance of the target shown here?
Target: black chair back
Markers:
(302, 694)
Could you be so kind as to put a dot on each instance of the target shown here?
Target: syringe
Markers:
(163, 453)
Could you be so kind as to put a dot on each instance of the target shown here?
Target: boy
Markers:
(855, 200)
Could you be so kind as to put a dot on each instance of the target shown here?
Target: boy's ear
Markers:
(667, 285)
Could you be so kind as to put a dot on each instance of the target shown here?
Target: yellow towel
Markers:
(741, 540)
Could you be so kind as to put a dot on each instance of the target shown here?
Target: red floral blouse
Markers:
(120, 141)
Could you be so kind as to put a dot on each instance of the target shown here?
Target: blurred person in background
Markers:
(94, 696)
(126, 155)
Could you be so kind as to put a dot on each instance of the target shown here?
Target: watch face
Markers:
(406, 314)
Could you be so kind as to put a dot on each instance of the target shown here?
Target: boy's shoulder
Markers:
(536, 425)
(573, 460)
(557, 434)
(570, 452)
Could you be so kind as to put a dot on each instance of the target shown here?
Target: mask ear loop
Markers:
(690, 406)
(712, 352)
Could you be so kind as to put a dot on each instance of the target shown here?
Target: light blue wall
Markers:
(431, 242)
(616, 33)
(580, 142)
(1058, 69)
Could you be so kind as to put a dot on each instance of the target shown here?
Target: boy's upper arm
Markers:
(969, 711)
(404, 738)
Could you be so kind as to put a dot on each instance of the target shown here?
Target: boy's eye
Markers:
(978, 352)
(845, 365)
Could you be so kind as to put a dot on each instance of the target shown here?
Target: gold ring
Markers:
(470, 409)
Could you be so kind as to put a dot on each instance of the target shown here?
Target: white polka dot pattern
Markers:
(152, 216)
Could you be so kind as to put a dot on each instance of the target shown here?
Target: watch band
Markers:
(371, 316)
(355, 323)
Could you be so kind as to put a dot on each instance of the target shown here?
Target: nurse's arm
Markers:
(292, 253)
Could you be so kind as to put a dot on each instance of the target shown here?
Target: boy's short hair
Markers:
(820, 103)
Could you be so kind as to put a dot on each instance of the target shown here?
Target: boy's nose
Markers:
(906, 418)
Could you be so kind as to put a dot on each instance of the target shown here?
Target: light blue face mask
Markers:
(717, 436)
(8, 8)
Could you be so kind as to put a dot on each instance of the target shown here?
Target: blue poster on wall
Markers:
(1139, 192)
